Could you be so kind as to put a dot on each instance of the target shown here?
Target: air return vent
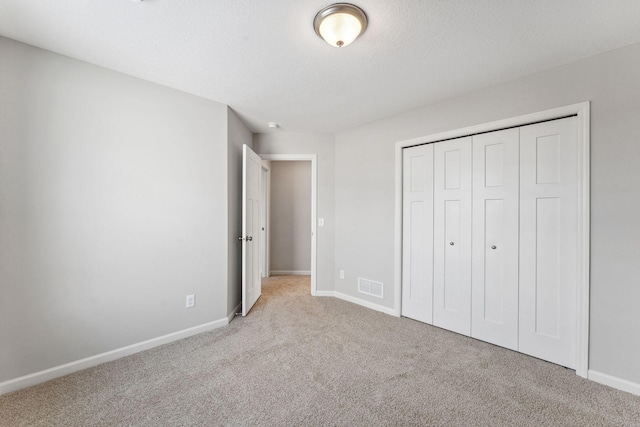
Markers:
(370, 287)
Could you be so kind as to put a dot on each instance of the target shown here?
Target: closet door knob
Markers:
(249, 238)
(494, 247)
(451, 243)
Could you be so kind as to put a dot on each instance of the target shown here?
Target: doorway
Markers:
(291, 240)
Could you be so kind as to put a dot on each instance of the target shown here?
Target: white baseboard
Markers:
(364, 303)
(232, 315)
(325, 294)
(615, 382)
(289, 273)
(358, 301)
(78, 365)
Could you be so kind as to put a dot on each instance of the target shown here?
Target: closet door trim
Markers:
(582, 112)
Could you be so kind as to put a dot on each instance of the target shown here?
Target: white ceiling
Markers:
(263, 58)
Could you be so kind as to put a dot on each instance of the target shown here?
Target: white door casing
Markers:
(417, 267)
(495, 238)
(264, 216)
(549, 218)
(452, 235)
(313, 158)
(251, 213)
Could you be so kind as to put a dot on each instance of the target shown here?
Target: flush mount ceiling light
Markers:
(340, 24)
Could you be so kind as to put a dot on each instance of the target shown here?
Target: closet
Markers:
(489, 235)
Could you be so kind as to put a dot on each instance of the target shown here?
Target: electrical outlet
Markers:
(342, 274)
(191, 301)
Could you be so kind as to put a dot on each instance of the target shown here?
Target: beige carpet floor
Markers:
(298, 360)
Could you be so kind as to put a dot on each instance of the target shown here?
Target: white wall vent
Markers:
(370, 287)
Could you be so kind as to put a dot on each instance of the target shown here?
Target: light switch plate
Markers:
(191, 301)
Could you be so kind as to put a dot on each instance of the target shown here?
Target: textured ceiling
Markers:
(262, 57)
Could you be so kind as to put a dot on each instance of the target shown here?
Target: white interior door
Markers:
(548, 235)
(251, 212)
(494, 307)
(452, 235)
(417, 233)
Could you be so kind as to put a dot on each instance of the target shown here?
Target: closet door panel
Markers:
(452, 235)
(451, 279)
(495, 238)
(548, 250)
(494, 283)
(417, 233)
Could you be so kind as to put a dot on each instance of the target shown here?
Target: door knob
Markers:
(451, 243)
(249, 238)
(240, 238)
(494, 247)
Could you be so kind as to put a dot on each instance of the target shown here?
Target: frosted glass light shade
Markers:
(340, 24)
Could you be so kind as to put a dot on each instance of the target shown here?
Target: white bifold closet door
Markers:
(548, 240)
(494, 298)
(452, 235)
(490, 237)
(417, 233)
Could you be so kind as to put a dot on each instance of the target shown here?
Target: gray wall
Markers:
(112, 209)
(238, 136)
(323, 145)
(290, 216)
(364, 173)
